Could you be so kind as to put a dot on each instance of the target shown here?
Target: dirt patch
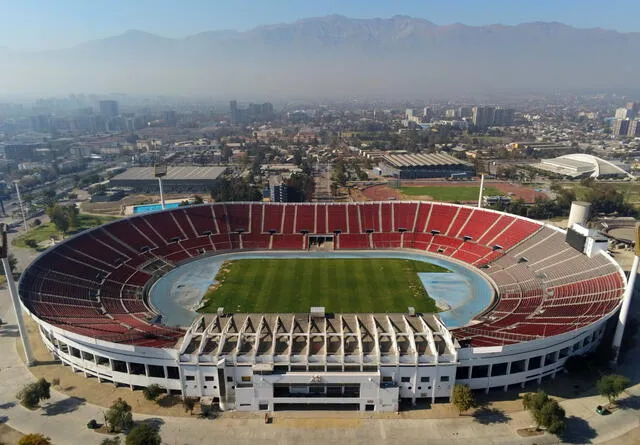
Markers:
(380, 193)
(8, 435)
(529, 432)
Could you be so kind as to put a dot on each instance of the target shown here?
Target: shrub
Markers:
(92, 424)
(189, 404)
(31, 395)
(545, 411)
(34, 439)
(118, 417)
(463, 398)
(152, 392)
(143, 434)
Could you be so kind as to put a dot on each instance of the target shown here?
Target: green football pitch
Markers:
(338, 284)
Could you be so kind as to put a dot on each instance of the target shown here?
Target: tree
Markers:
(153, 391)
(198, 199)
(31, 395)
(13, 262)
(118, 417)
(300, 187)
(546, 412)
(234, 189)
(143, 434)
(111, 441)
(34, 439)
(189, 404)
(611, 386)
(463, 398)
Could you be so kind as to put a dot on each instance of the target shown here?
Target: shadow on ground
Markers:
(63, 406)
(7, 405)
(578, 431)
(153, 422)
(169, 401)
(490, 416)
(3, 419)
(631, 402)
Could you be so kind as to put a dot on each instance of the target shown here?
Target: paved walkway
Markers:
(64, 419)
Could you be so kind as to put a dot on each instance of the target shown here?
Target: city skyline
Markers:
(36, 26)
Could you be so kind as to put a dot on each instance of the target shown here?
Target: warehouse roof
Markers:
(180, 173)
(423, 160)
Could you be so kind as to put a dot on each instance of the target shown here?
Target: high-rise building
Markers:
(632, 109)
(450, 113)
(621, 113)
(427, 114)
(109, 108)
(170, 117)
(634, 128)
(503, 116)
(483, 116)
(465, 112)
(233, 114)
(621, 127)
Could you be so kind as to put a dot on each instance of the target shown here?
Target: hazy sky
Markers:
(45, 24)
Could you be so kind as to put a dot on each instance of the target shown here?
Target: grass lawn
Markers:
(340, 285)
(454, 193)
(45, 231)
(631, 190)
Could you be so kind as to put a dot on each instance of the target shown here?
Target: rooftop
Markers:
(181, 173)
(307, 338)
(423, 160)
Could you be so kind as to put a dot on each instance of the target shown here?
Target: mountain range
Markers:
(337, 57)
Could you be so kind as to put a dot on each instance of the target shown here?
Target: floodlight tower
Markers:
(628, 295)
(481, 191)
(13, 292)
(160, 171)
(24, 218)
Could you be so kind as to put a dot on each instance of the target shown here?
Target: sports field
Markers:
(338, 284)
(450, 193)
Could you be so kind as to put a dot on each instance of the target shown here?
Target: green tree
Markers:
(111, 441)
(34, 439)
(300, 187)
(546, 412)
(463, 398)
(118, 417)
(612, 385)
(234, 189)
(31, 395)
(189, 404)
(198, 199)
(63, 217)
(153, 391)
(13, 262)
(143, 434)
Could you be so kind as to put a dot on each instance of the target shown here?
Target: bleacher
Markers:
(94, 283)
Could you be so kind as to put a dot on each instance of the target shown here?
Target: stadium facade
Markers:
(552, 301)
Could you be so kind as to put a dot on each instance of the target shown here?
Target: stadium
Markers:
(514, 298)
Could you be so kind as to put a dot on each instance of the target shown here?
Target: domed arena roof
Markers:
(580, 164)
